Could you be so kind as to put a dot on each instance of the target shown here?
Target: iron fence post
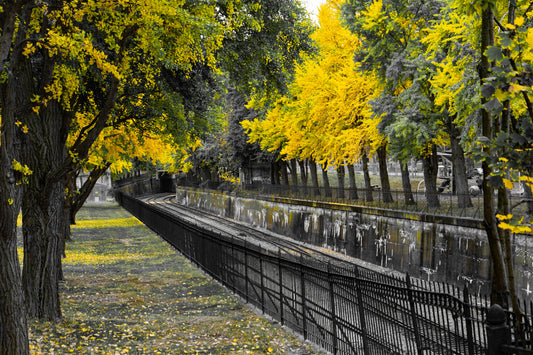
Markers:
(304, 310)
(262, 282)
(246, 272)
(413, 314)
(361, 310)
(332, 306)
(468, 319)
(498, 333)
(280, 279)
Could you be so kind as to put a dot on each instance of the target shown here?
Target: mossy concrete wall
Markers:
(438, 248)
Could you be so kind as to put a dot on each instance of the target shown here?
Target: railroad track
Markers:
(246, 233)
(442, 329)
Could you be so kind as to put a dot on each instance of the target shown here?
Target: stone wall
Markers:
(437, 248)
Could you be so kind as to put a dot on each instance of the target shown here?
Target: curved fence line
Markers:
(343, 310)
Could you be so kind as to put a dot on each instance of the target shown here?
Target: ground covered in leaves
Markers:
(127, 292)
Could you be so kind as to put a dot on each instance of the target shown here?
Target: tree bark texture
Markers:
(430, 164)
(368, 182)
(314, 177)
(499, 277)
(303, 174)
(284, 173)
(42, 214)
(275, 173)
(327, 186)
(294, 173)
(15, 98)
(460, 180)
(76, 200)
(340, 179)
(406, 184)
(384, 174)
(13, 318)
(353, 185)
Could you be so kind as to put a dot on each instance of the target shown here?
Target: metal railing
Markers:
(341, 307)
(345, 309)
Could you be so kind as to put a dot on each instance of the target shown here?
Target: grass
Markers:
(127, 292)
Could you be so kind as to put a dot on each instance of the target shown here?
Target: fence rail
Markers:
(344, 310)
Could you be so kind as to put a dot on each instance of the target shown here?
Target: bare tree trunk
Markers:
(529, 196)
(78, 199)
(384, 175)
(460, 181)
(284, 173)
(275, 173)
(13, 319)
(340, 179)
(499, 277)
(314, 177)
(42, 213)
(430, 164)
(303, 175)
(368, 182)
(294, 173)
(325, 178)
(406, 184)
(353, 185)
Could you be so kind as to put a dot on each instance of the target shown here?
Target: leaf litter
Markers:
(128, 292)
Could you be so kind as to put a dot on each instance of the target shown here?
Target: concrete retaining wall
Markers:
(438, 248)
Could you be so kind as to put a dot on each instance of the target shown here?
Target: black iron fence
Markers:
(345, 309)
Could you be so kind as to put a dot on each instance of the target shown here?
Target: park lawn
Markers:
(127, 292)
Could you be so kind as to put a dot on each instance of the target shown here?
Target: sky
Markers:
(312, 7)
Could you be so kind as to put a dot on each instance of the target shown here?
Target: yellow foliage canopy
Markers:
(326, 116)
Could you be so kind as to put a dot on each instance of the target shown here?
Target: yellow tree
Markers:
(68, 64)
(323, 117)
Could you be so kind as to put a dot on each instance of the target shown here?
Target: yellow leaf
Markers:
(508, 184)
(516, 87)
(503, 217)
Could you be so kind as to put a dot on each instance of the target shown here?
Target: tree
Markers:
(258, 59)
(394, 47)
(323, 116)
(78, 91)
(13, 328)
(63, 65)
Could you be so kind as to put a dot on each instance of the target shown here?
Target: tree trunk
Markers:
(505, 240)
(384, 175)
(406, 184)
(42, 213)
(460, 181)
(77, 200)
(294, 175)
(430, 165)
(13, 320)
(340, 179)
(284, 173)
(368, 182)
(314, 177)
(353, 185)
(529, 196)
(325, 178)
(275, 173)
(303, 175)
(499, 279)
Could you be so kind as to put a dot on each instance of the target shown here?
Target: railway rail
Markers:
(250, 234)
(418, 314)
